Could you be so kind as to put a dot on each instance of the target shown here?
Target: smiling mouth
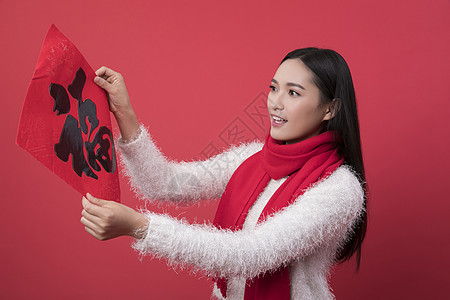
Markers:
(278, 120)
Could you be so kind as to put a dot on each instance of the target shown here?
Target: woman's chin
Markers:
(276, 136)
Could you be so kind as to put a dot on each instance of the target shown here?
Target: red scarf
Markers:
(305, 162)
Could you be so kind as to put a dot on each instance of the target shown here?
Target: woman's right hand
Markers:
(119, 101)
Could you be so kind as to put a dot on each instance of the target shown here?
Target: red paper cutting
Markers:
(65, 122)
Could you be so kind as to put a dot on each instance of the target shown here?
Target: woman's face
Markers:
(293, 103)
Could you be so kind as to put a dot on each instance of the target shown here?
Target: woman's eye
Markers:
(272, 88)
(293, 93)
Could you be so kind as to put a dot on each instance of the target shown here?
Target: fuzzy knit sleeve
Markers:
(318, 219)
(155, 177)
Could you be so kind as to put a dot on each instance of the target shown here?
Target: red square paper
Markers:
(65, 122)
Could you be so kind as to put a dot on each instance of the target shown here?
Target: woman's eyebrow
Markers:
(290, 84)
(295, 84)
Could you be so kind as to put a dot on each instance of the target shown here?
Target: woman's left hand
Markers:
(105, 220)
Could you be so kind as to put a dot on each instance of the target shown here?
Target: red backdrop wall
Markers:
(192, 68)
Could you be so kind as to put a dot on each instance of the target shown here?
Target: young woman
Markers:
(290, 207)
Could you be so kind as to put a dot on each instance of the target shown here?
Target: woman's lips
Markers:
(277, 121)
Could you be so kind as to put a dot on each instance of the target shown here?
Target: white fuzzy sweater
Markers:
(304, 235)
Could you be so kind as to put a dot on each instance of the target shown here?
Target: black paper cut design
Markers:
(71, 142)
(71, 138)
(62, 102)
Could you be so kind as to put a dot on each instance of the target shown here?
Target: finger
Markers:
(92, 218)
(103, 83)
(90, 227)
(92, 208)
(105, 71)
(84, 202)
(94, 230)
(94, 234)
(96, 201)
(87, 223)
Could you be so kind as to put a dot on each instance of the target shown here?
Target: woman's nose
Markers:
(275, 101)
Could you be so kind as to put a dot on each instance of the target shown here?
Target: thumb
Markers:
(94, 200)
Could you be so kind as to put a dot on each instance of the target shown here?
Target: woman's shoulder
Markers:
(343, 184)
(345, 175)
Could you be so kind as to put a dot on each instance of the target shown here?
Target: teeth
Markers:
(278, 120)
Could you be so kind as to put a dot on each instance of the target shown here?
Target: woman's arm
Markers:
(320, 218)
(154, 176)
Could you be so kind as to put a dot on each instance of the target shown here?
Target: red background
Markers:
(191, 68)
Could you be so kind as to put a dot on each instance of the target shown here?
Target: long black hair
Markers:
(332, 77)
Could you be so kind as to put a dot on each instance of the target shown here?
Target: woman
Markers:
(290, 207)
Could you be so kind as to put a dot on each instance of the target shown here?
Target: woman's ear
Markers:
(332, 109)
